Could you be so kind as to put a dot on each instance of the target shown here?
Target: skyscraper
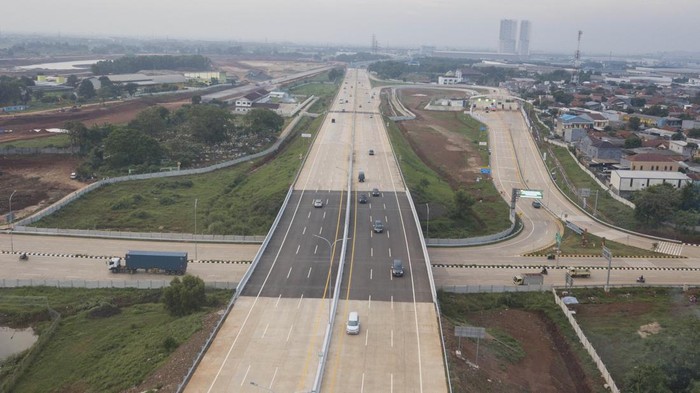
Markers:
(506, 39)
(524, 38)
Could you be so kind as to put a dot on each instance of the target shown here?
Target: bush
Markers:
(183, 297)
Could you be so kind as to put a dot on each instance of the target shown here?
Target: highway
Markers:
(274, 333)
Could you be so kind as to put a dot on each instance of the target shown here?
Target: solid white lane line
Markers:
(298, 246)
(309, 273)
(362, 387)
(289, 272)
(245, 376)
(300, 299)
(273, 378)
(265, 331)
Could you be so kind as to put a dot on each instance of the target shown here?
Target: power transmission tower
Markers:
(577, 61)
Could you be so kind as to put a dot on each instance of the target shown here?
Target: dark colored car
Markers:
(397, 268)
(362, 198)
(375, 192)
(536, 204)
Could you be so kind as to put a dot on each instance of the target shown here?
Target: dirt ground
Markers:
(548, 364)
(448, 152)
(38, 180)
(274, 69)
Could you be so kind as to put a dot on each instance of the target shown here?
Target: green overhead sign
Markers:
(535, 194)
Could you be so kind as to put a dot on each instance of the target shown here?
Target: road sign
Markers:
(9, 217)
(306, 135)
(585, 192)
(536, 194)
(607, 254)
(483, 144)
(486, 170)
(470, 331)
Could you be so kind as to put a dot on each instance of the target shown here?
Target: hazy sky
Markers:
(620, 26)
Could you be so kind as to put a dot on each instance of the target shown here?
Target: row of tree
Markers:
(128, 64)
(663, 203)
(15, 91)
(157, 134)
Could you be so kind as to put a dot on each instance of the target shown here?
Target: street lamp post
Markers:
(427, 224)
(195, 228)
(11, 219)
(330, 253)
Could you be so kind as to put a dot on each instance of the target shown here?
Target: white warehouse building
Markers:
(624, 182)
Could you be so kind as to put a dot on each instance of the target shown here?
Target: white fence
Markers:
(11, 150)
(139, 284)
(494, 288)
(587, 345)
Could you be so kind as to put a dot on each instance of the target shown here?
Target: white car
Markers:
(318, 203)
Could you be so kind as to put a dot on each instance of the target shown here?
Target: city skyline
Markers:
(621, 27)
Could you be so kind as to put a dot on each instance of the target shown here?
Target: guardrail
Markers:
(184, 237)
(515, 228)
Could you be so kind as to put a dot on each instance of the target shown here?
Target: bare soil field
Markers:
(446, 151)
(275, 69)
(548, 365)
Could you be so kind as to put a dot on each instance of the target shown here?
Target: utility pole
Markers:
(577, 61)
(11, 220)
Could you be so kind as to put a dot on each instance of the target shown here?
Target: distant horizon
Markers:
(623, 27)
(354, 46)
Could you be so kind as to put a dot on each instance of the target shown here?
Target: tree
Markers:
(634, 123)
(690, 197)
(694, 133)
(656, 204)
(183, 297)
(463, 203)
(196, 99)
(72, 80)
(208, 124)
(86, 89)
(126, 146)
(131, 88)
(646, 378)
(678, 136)
(563, 97)
(263, 122)
(633, 142)
(655, 110)
(638, 102)
(152, 121)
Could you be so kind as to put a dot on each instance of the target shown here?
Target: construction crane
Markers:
(577, 60)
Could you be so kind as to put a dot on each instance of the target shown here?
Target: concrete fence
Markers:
(26, 151)
(184, 237)
(587, 345)
(514, 229)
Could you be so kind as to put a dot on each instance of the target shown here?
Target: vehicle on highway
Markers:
(579, 272)
(170, 262)
(318, 203)
(397, 268)
(362, 198)
(528, 279)
(23, 256)
(332, 120)
(375, 192)
(361, 176)
(371, 152)
(378, 226)
(536, 204)
(353, 325)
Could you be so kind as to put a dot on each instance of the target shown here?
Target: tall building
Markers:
(524, 38)
(506, 38)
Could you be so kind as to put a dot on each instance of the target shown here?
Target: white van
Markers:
(353, 326)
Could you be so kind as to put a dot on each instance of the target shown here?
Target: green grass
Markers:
(427, 186)
(608, 209)
(242, 200)
(572, 244)
(614, 333)
(60, 140)
(102, 354)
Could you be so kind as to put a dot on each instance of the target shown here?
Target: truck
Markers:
(528, 279)
(579, 272)
(169, 262)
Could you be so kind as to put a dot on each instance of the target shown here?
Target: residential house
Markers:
(651, 162)
(601, 150)
(569, 121)
(245, 103)
(685, 149)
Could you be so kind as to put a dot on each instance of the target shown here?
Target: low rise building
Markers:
(624, 183)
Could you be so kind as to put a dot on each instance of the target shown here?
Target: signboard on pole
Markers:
(574, 227)
(485, 170)
(470, 331)
(306, 135)
(535, 194)
(557, 238)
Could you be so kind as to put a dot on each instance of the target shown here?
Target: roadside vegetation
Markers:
(324, 86)
(108, 340)
(242, 200)
(645, 336)
(509, 351)
(60, 140)
(472, 210)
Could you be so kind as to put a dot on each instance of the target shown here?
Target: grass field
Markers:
(612, 323)
(573, 244)
(99, 353)
(59, 140)
(428, 187)
(242, 200)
